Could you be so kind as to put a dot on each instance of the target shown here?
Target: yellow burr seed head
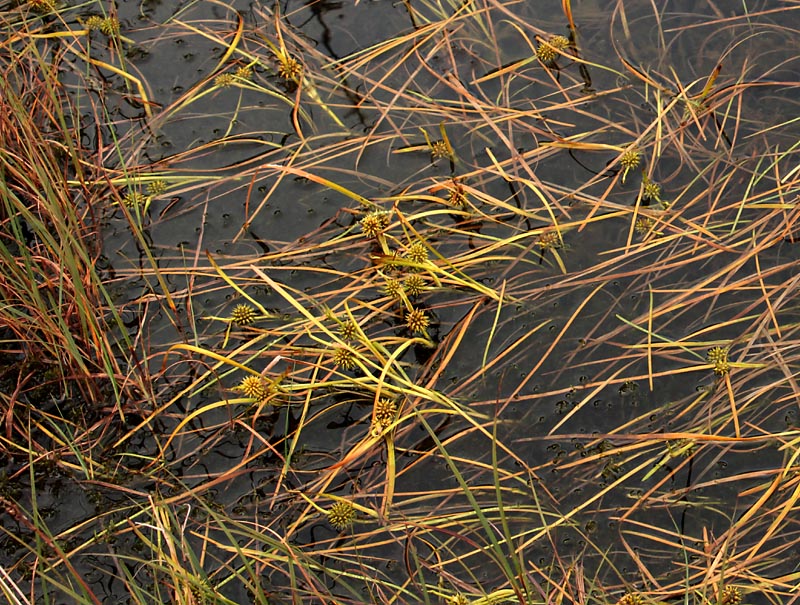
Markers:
(718, 357)
(344, 358)
(417, 320)
(414, 285)
(631, 598)
(243, 315)
(341, 515)
(254, 387)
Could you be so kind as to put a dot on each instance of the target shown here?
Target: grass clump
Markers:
(455, 269)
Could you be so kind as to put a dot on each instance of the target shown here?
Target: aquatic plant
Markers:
(374, 224)
(631, 598)
(157, 187)
(417, 320)
(42, 6)
(392, 288)
(444, 361)
(385, 413)
(341, 515)
(110, 26)
(224, 80)
(629, 160)
(134, 199)
(414, 284)
(548, 51)
(344, 358)
(718, 357)
(731, 595)
(348, 330)
(417, 253)
(254, 387)
(243, 314)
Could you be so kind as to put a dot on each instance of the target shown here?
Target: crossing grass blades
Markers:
(494, 305)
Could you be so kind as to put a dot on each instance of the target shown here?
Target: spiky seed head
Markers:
(344, 358)
(417, 253)
(439, 149)
(198, 593)
(42, 6)
(718, 357)
(348, 330)
(652, 191)
(717, 354)
(224, 80)
(375, 223)
(547, 53)
(458, 196)
(93, 23)
(643, 225)
(341, 515)
(549, 240)
(254, 387)
(289, 68)
(414, 284)
(243, 315)
(385, 411)
(458, 599)
(393, 288)
(110, 26)
(630, 158)
(244, 72)
(631, 598)
(682, 447)
(370, 225)
(134, 198)
(157, 187)
(731, 595)
(417, 320)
